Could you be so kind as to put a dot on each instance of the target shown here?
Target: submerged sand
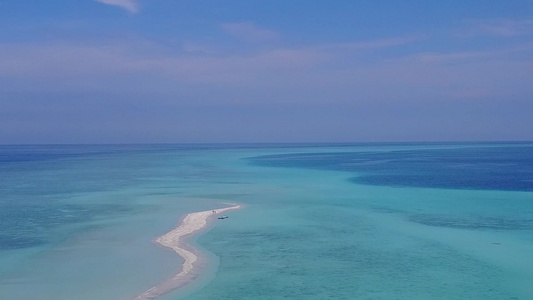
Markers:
(174, 239)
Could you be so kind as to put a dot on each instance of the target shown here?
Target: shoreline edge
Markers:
(174, 239)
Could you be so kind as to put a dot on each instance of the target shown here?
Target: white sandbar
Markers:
(192, 223)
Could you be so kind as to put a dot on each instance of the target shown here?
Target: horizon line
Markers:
(273, 143)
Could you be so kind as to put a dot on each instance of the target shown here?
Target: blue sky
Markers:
(163, 71)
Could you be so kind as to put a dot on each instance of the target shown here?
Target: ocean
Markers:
(318, 221)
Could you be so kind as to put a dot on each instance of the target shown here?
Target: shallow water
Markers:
(78, 221)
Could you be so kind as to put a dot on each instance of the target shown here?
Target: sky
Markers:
(223, 71)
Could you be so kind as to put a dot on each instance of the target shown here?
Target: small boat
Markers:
(222, 217)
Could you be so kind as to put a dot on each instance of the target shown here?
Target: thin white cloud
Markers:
(498, 28)
(197, 48)
(127, 66)
(54, 61)
(129, 5)
(248, 32)
(435, 57)
(507, 53)
(371, 44)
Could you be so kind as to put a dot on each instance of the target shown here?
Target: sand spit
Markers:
(191, 224)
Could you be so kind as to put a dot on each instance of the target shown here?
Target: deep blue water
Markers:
(401, 221)
(10, 154)
(32, 206)
(38, 182)
(482, 167)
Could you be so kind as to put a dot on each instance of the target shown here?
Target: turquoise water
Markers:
(439, 221)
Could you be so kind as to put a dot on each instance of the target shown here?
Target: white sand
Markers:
(192, 223)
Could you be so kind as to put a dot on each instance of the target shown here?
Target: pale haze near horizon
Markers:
(160, 71)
